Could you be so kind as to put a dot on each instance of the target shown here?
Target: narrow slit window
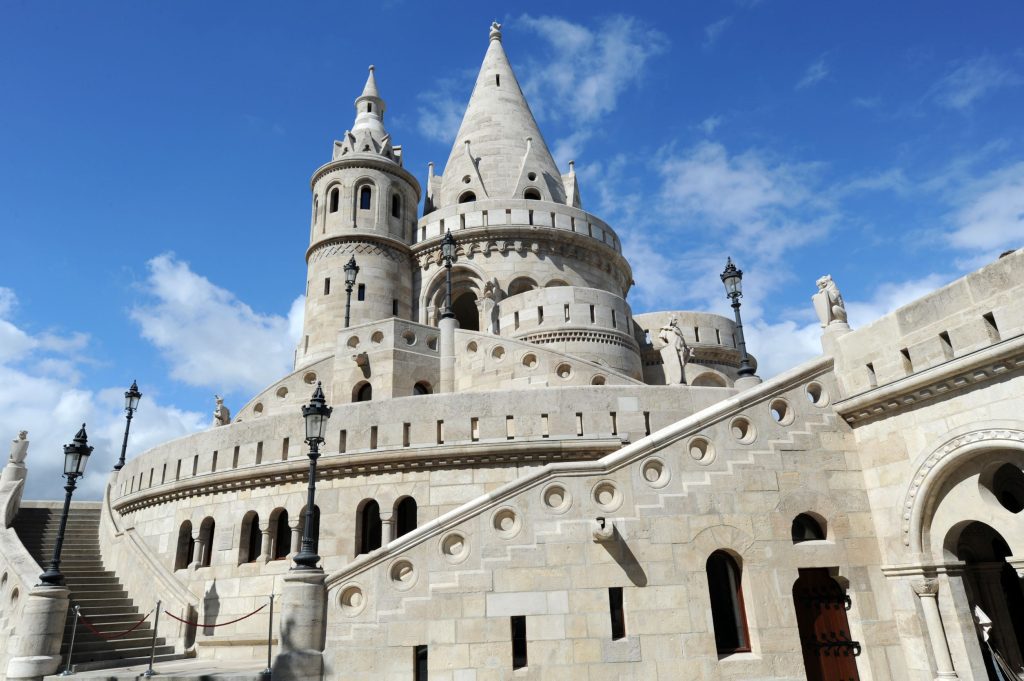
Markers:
(259, 452)
(565, 309)
(872, 378)
(647, 423)
(515, 319)
(394, 307)
(474, 429)
(615, 423)
(617, 614)
(908, 364)
(284, 448)
(234, 457)
(373, 437)
(396, 206)
(718, 336)
(727, 612)
(544, 426)
(361, 293)
(510, 427)
(518, 623)
(213, 468)
(593, 315)
(406, 427)
(614, 325)
(365, 197)
(440, 432)
(419, 656)
(579, 424)
(696, 334)
(195, 467)
(540, 314)
(335, 194)
(991, 327)
(342, 441)
(327, 286)
(947, 345)
(497, 79)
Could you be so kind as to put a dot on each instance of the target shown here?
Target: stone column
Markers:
(302, 631)
(296, 527)
(198, 551)
(927, 590)
(35, 650)
(447, 327)
(266, 547)
(387, 526)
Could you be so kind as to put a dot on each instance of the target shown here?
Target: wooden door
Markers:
(829, 652)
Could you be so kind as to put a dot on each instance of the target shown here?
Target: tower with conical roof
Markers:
(364, 206)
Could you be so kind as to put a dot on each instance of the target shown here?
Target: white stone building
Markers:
(545, 485)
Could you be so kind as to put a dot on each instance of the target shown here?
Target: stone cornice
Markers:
(959, 374)
(571, 334)
(360, 237)
(369, 161)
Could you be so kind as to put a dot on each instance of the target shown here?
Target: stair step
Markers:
(124, 662)
(130, 642)
(140, 653)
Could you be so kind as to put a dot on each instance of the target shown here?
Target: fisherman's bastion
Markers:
(522, 478)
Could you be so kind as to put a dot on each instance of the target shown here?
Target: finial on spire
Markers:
(496, 30)
(572, 166)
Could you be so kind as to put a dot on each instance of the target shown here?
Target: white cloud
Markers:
(710, 124)
(210, 338)
(814, 74)
(441, 109)
(714, 31)
(971, 80)
(991, 217)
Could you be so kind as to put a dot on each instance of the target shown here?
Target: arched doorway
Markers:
(464, 308)
(821, 605)
(995, 597)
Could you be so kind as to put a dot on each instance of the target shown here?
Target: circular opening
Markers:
(352, 600)
(471, 346)
(532, 176)
(817, 395)
(701, 449)
(432, 342)
(1008, 487)
(530, 360)
(563, 370)
(556, 498)
(655, 472)
(409, 337)
(454, 547)
(743, 430)
(466, 179)
(377, 337)
(353, 342)
(598, 380)
(309, 378)
(258, 409)
(781, 412)
(506, 523)
(282, 392)
(607, 496)
(402, 574)
(498, 352)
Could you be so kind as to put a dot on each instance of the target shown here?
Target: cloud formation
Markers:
(991, 217)
(971, 80)
(814, 74)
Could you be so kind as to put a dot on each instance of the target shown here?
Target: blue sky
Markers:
(155, 157)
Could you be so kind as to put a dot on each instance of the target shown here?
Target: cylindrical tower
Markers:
(364, 205)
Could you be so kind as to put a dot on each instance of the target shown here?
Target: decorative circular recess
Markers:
(564, 371)
(598, 380)
(353, 342)
(654, 472)
(402, 574)
(309, 378)
(432, 342)
(282, 392)
(506, 522)
(607, 495)
(466, 179)
(743, 430)
(531, 176)
(352, 600)
(409, 337)
(471, 346)
(454, 547)
(257, 409)
(530, 360)
(556, 498)
(498, 353)
(817, 395)
(377, 337)
(781, 411)
(701, 450)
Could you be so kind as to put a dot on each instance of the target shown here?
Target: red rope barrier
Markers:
(212, 626)
(105, 637)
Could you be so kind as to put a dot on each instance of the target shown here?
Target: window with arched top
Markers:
(282, 534)
(421, 388)
(806, 528)
(466, 197)
(521, 285)
(727, 611)
(532, 193)
(206, 531)
(365, 197)
(363, 392)
(405, 516)
(252, 538)
(368, 527)
(396, 206)
(335, 197)
(186, 546)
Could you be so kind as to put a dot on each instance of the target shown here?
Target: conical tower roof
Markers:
(370, 108)
(499, 144)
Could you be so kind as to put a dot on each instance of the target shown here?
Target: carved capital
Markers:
(925, 588)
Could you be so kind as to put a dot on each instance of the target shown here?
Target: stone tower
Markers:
(364, 205)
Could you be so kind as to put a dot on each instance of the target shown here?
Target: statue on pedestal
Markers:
(828, 302)
(672, 336)
(19, 448)
(221, 415)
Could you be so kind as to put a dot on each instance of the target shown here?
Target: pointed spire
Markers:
(370, 89)
(370, 108)
(497, 123)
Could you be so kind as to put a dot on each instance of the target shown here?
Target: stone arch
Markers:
(521, 284)
(709, 379)
(820, 507)
(359, 196)
(465, 277)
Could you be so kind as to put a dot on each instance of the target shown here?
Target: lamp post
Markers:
(732, 278)
(448, 252)
(351, 270)
(76, 455)
(131, 403)
(316, 414)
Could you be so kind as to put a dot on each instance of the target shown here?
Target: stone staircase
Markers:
(97, 591)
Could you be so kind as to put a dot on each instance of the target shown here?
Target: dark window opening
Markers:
(419, 654)
(335, 195)
(369, 107)
(394, 307)
(727, 612)
(518, 641)
(405, 516)
(806, 528)
(206, 531)
(421, 388)
(532, 193)
(369, 528)
(365, 196)
(466, 312)
(396, 206)
(254, 540)
(282, 536)
(186, 546)
(364, 393)
(361, 292)
(947, 345)
(327, 286)
(497, 79)
(618, 616)
(466, 197)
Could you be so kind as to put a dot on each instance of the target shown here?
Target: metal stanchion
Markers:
(71, 648)
(270, 637)
(152, 647)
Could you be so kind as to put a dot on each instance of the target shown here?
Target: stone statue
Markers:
(828, 302)
(221, 415)
(672, 336)
(19, 448)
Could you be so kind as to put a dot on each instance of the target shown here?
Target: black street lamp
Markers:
(448, 253)
(732, 277)
(351, 270)
(131, 403)
(76, 455)
(316, 414)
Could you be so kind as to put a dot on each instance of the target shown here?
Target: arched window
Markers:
(806, 528)
(521, 285)
(335, 196)
(282, 534)
(531, 193)
(365, 197)
(186, 546)
(396, 206)
(316, 207)
(362, 393)
(405, 516)
(421, 388)
(252, 538)
(368, 527)
(466, 197)
(314, 530)
(727, 613)
(206, 539)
